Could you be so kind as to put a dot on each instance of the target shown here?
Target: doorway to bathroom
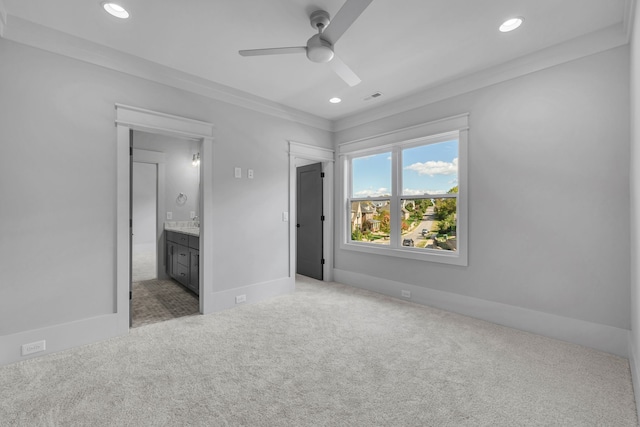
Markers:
(165, 196)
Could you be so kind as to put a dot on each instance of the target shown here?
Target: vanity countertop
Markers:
(191, 228)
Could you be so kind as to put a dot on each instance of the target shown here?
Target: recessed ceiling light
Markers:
(511, 24)
(115, 10)
(335, 100)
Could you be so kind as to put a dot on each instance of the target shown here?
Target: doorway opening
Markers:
(303, 155)
(309, 220)
(129, 119)
(164, 196)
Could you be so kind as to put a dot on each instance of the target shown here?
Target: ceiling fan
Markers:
(319, 48)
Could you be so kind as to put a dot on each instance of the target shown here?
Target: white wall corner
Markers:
(628, 19)
(3, 18)
(635, 374)
(597, 336)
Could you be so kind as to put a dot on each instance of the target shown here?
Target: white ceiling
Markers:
(396, 47)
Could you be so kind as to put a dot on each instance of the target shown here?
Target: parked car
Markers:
(407, 242)
(425, 232)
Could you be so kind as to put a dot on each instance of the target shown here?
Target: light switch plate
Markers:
(238, 172)
(285, 216)
(169, 215)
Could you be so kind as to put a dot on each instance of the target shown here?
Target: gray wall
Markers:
(635, 205)
(144, 201)
(58, 185)
(548, 193)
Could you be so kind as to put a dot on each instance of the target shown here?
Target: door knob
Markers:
(298, 225)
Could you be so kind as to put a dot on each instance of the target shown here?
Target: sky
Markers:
(431, 169)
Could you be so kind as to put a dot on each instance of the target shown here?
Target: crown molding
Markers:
(570, 50)
(38, 36)
(3, 18)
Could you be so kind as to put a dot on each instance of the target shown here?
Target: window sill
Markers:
(451, 258)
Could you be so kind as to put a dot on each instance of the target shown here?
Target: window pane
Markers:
(371, 176)
(429, 223)
(370, 221)
(430, 169)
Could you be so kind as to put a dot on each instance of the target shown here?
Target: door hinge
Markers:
(131, 151)
(130, 223)
(322, 218)
(321, 174)
(130, 295)
(322, 261)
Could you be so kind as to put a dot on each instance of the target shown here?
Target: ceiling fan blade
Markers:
(344, 71)
(343, 19)
(273, 51)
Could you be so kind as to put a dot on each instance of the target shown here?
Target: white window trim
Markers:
(439, 130)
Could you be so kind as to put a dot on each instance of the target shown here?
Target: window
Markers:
(407, 198)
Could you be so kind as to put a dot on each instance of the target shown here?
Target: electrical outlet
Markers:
(250, 173)
(406, 294)
(169, 215)
(241, 299)
(34, 347)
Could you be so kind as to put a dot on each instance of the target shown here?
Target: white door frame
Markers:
(128, 118)
(299, 150)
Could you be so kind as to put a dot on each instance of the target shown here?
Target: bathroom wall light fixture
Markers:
(196, 159)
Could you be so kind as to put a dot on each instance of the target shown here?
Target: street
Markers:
(426, 223)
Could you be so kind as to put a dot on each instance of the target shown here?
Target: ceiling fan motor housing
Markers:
(319, 50)
(319, 19)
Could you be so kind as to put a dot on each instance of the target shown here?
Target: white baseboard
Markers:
(87, 331)
(224, 300)
(61, 337)
(635, 374)
(594, 335)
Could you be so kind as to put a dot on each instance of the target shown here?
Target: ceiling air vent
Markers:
(373, 95)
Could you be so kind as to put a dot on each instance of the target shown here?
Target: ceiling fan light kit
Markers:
(319, 50)
(319, 47)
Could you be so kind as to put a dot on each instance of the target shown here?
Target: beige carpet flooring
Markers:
(326, 355)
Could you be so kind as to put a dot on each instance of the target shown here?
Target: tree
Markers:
(444, 208)
(385, 222)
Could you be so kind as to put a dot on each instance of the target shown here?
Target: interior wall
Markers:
(548, 194)
(634, 347)
(59, 228)
(144, 204)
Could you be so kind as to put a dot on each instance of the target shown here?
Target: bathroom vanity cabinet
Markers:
(183, 259)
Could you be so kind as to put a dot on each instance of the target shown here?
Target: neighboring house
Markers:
(405, 213)
(362, 218)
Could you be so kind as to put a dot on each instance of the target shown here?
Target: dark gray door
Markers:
(309, 260)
